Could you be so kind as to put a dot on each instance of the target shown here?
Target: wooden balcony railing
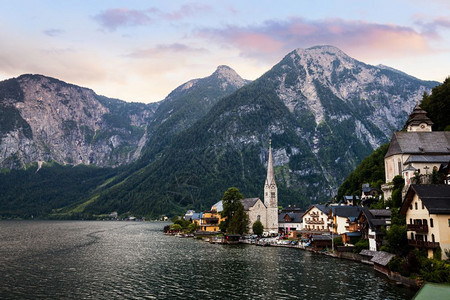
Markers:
(423, 244)
(417, 228)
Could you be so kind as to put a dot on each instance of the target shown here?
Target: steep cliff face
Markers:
(45, 119)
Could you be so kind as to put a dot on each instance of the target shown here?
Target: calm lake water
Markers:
(135, 260)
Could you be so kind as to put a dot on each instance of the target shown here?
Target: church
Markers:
(266, 212)
(418, 150)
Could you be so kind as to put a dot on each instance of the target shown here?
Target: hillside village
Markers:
(418, 158)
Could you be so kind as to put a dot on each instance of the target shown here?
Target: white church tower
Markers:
(271, 196)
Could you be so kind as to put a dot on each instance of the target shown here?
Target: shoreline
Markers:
(356, 257)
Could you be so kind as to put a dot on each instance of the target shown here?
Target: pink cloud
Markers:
(431, 27)
(280, 37)
(118, 17)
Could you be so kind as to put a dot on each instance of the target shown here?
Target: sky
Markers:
(142, 50)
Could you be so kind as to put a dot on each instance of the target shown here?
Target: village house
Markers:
(371, 225)
(345, 222)
(193, 217)
(427, 211)
(315, 219)
(368, 192)
(346, 200)
(210, 220)
(418, 150)
(290, 221)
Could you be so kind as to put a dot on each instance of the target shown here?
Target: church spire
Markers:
(270, 175)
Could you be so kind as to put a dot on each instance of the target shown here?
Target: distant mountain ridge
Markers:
(323, 110)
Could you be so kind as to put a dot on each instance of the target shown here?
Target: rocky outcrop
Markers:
(56, 121)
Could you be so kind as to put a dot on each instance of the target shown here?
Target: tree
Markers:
(230, 201)
(239, 222)
(193, 227)
(398, 182)
(437, 105)
(176, 227)
(397, 240)
(258, 227)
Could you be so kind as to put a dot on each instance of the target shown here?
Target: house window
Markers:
(258, 218)
(432, 238)
(431, 222)
(410, 207)
(399, 167)
(448, 222)
(426, 238)
(425, 222)
(412, 236)
(423, 206)
(415, 205)
(410, 221)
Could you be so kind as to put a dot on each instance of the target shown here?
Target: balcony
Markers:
(315, 222)
(423, 244)
(417, 228)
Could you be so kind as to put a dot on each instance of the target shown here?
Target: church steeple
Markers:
(270, 186)
(418, 120)
(270, 175)
(271, 196)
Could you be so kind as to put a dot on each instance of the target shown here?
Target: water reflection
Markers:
(103, 260)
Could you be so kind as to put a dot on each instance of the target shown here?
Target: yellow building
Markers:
(211, 219)
(427, 210)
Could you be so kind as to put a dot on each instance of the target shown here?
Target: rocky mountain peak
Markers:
(228, 76)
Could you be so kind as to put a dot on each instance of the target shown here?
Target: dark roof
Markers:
(296, 217)
(434, 142)
(367, 252)
(382, 258)
(346, 211)
(323, 208)
(383, 213)
(435, 197)
(376, 217)
(427, 158)
(249, 202)
(418, 116)
(321, 237)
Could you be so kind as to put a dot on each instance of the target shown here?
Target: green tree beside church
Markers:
(236, 219)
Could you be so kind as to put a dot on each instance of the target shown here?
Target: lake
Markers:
(135, 260)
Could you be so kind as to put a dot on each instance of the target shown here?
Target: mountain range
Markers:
(323, 110)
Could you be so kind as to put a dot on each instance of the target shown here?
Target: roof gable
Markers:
(250, 202)
(434, 142)
(435, 197)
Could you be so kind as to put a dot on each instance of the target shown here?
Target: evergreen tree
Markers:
(437, 106)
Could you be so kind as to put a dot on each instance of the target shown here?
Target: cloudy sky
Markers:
(142, 50)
